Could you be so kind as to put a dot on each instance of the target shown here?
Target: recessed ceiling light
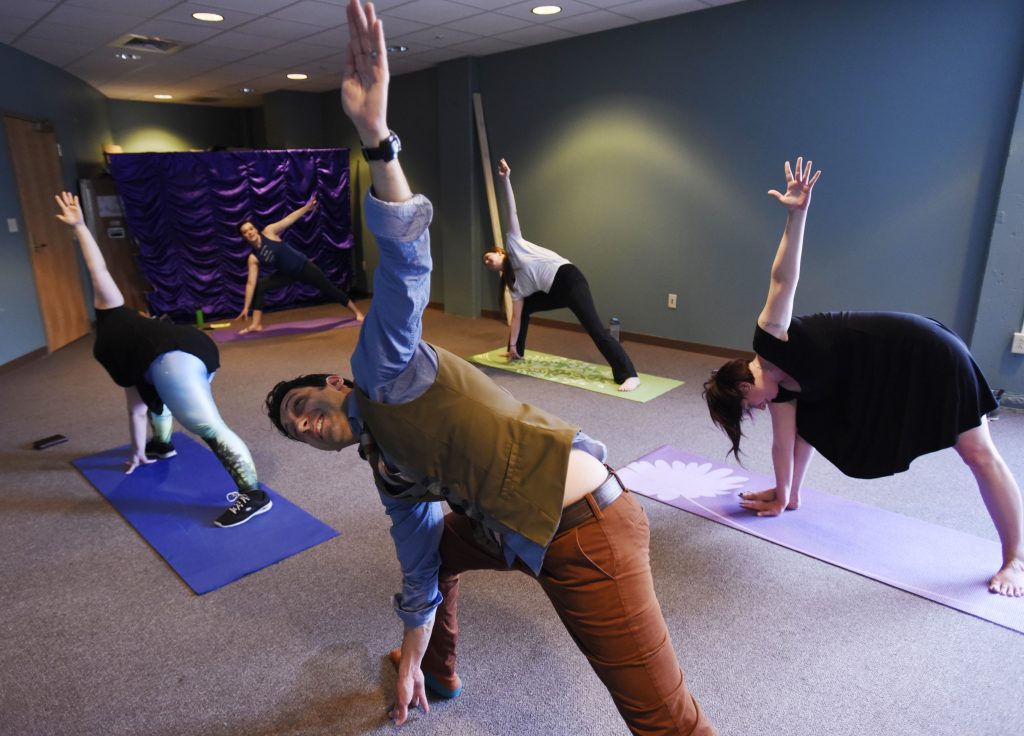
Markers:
(399, 49)
(208, 17)
(546, 10)
(164, 97)
(247, 90)
(297, 76)
(127, 56)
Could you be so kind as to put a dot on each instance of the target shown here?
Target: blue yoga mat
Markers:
(172, 504)
(934, 562)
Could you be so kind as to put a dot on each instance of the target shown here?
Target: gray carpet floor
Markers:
(98, 636)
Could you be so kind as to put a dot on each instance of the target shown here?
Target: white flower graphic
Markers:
(687, 480)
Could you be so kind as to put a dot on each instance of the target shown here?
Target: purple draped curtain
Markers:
(185, 208)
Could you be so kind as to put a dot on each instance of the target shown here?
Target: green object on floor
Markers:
(576, 373)
(199, 318)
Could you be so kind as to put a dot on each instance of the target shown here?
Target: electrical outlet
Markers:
(1018, 343)
(671, 301)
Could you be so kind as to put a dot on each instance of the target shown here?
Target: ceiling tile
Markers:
(88, 18)
(58, 32)
(283, 30)
(436, 38)
(488, 4)
(523, 8)
(486, 46)
(536, 35)
(27, 9)
(489, 24)
(137, 7)
(431, 12)
(597, 20)
(313, 12)
(655, 9)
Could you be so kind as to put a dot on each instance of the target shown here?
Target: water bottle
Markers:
(613, 328)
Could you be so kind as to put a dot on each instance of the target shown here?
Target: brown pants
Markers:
(598, 577)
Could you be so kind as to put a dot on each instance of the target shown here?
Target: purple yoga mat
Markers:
(321, 324)
(940, 564)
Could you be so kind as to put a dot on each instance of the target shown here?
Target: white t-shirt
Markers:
(535, 266)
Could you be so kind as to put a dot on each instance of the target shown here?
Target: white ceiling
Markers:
(260, 41)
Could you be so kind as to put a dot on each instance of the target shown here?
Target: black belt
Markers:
(575, 514)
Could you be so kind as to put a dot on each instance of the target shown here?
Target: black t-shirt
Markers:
(127, 342)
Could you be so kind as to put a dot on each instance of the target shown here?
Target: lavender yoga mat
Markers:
(940, 564)
(172, 504)
(321, 324)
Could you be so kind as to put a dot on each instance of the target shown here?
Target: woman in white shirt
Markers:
(540, 280)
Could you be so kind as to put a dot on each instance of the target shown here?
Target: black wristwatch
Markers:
(386, 151)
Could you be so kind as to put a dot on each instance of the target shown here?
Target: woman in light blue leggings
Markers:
(182, 381)
(166, 371)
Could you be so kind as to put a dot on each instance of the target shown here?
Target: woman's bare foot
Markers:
(768, 495)
(629, 384)
(250, 328)
(765, 501)
(1009, 581)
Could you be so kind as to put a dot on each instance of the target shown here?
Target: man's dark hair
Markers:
(276, 395)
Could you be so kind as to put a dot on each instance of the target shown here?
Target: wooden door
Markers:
(51, 250)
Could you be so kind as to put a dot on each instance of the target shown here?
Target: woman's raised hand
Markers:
(503, 169)
(798, 187)
(70, 211)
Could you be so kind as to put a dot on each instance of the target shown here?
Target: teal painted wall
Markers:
(161, 127)
(644, 154)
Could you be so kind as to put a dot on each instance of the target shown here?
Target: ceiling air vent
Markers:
(151, 44)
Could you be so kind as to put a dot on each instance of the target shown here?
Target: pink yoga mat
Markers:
(940, 564)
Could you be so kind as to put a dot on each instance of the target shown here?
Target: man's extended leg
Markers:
(461, 549)
(598, 577)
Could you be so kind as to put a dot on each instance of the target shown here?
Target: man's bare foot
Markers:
(1009, 581)
(445, 687)
(629, 384)
(250, 328)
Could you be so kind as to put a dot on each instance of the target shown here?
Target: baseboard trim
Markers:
(18, 362)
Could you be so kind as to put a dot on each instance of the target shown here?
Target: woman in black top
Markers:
(165, 369)
(871, 391)
(269, 250)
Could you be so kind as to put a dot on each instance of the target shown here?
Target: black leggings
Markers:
(309, 274)
(570, 289)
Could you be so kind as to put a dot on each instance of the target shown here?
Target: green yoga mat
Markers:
(576, 373)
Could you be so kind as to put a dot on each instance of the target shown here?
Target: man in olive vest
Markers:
(531, 492)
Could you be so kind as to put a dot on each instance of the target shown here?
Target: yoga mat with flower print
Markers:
(940, 564)
(576, 373)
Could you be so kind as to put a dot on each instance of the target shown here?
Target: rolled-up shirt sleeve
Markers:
(401, 290)
(416, 529)
(390, 366)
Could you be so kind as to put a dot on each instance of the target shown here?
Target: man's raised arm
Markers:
(364, 97)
